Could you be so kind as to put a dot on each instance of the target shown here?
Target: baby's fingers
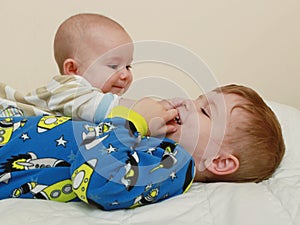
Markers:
(168, 128)
(157, 126)
(170, 115)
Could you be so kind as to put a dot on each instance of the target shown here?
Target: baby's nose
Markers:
(125, 74)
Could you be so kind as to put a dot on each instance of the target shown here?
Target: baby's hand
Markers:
(157, 114)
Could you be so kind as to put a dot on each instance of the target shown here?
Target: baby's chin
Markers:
(117, 91)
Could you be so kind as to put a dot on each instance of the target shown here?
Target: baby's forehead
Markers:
(219, 97)
(227, 104)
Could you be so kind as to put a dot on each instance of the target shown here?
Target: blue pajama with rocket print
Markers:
(108, 164)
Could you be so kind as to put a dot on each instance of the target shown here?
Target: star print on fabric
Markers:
(110, 149)
(61, 141)
(25, 137)
(150, 150)
(71, 156)
(173, 175)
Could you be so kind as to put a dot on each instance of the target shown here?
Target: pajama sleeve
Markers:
(117, 168)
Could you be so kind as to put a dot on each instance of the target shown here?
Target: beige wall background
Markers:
(255, 43)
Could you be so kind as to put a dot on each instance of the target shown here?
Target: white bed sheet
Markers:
(275, 201)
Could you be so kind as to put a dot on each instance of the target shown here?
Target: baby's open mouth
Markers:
(177, 120)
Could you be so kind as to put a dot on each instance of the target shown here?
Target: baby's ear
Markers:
(70, 67)
(222, 164)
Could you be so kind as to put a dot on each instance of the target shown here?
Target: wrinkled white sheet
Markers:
(275, 201)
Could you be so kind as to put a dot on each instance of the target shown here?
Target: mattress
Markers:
(275, 201)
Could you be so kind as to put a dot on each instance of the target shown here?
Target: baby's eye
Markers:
(112, 66)
(204, 112)
(128, 67)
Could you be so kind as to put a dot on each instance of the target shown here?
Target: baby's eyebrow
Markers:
(114, 58)
(202, 96)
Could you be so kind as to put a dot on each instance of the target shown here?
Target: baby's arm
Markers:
(73, 96)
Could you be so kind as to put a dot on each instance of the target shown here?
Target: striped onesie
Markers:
(68, 95)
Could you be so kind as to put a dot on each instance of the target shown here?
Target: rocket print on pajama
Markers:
(107, 164)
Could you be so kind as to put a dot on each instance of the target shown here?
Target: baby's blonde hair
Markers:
(255, 138)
